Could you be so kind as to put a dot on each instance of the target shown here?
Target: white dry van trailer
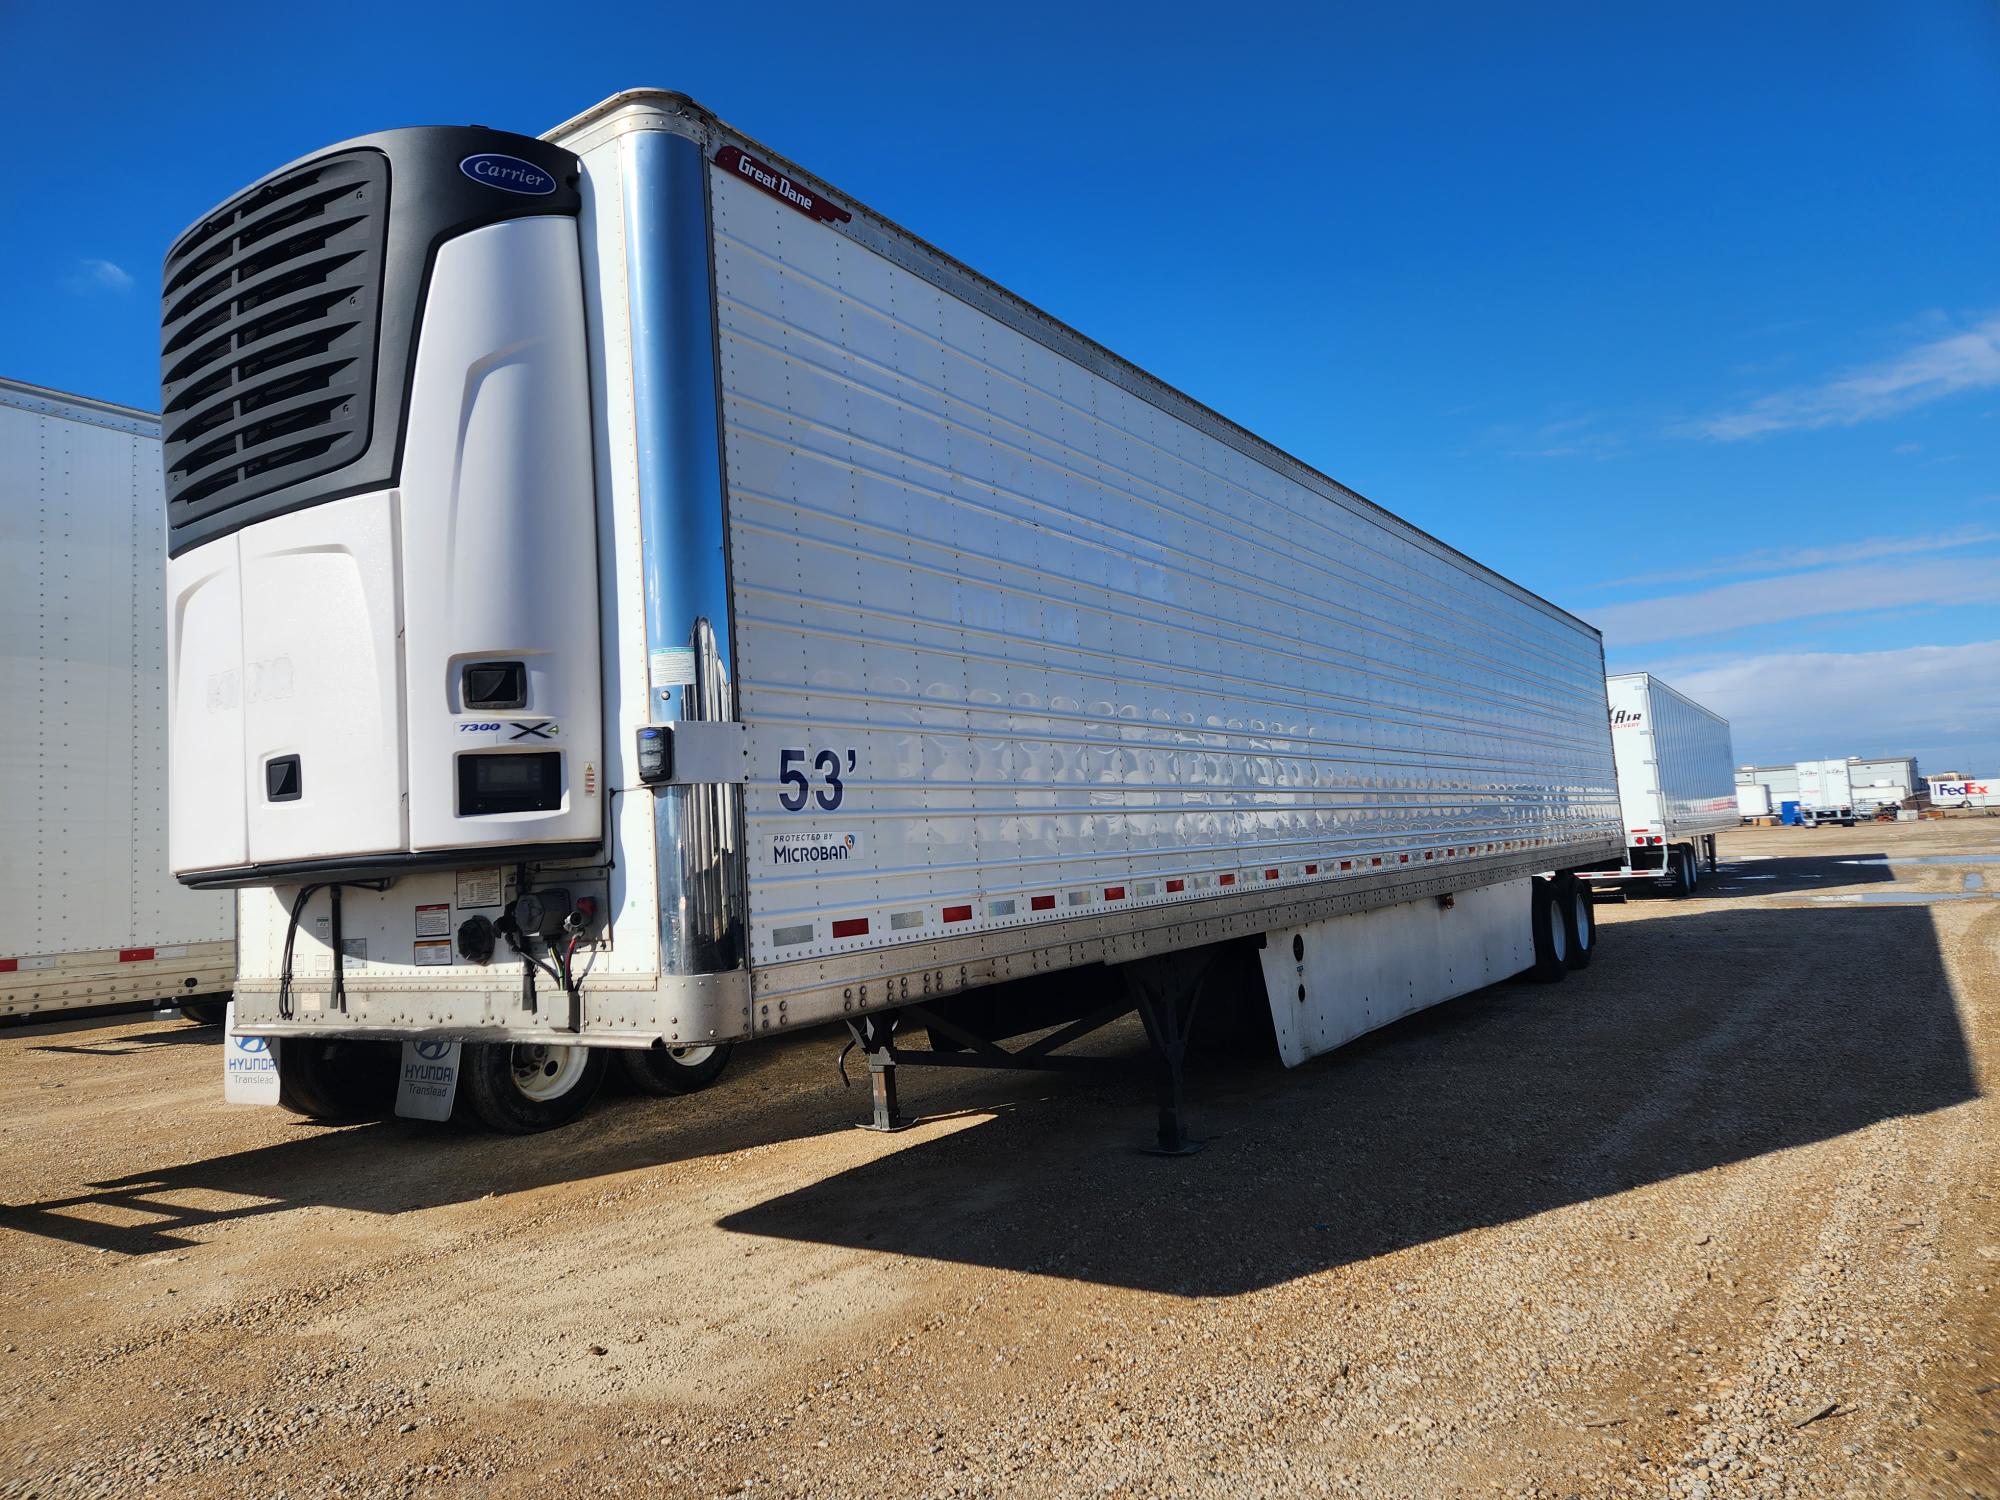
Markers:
(629, 599)
(1753, 800)
(90, 914)
(1826, 793)
(1676, 782)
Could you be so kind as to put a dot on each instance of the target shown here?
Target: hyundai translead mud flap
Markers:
(427, 1080)
(249, 1065)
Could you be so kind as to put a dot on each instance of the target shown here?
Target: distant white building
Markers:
(1872, 781)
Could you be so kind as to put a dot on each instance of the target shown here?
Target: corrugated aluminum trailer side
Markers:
(937, 647)
(90, 915)
(1676, 781)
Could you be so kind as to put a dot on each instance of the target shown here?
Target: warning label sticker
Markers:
(479, 888)
(433, 953)
(434, 921)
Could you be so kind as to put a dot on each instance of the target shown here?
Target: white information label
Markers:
(670, 666)
(433, 951)
(479, 888)
(434, 921)
(429, 1080)
(249, 1066)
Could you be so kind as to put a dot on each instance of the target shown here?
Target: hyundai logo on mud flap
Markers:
(253, 1044)
(508, 173)
(432, 1051)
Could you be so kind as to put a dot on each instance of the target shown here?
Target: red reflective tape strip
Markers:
(1225, 880)
(1312, 869)
(1402, 859)
(1430, 853)
(1376, 861)
(851, 927)
(1041, 903)
(1176, 885)
(958, 914)
(1347, 864)
(134, 955)
(9, 965)
(1270, 874)
(1114, 893)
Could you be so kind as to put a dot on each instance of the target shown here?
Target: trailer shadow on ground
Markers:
(1695, 1041)
(1698, 1039)
(1805, 872)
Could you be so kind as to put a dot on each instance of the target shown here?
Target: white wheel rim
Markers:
(544, 1073)
(1558, 933)
(1586, 924)
(690, 1057)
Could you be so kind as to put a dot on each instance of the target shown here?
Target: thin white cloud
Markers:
(92, 275)
(1796, 559)
(1968, 360)
(1801, 596)
(1939, 703)
(1564, 437)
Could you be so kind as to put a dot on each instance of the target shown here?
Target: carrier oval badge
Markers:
(508, 173)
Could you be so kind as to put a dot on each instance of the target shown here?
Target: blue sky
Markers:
(1688, 319)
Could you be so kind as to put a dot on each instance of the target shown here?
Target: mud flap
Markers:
(428, 1081)
(249, 1066)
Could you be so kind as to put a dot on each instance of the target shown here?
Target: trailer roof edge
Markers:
(699, 122)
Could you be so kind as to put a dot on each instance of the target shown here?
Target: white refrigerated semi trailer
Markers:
(1676, 783)
(90, 915)
(627, 597)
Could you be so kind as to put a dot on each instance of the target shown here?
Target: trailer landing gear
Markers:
(1164, 990)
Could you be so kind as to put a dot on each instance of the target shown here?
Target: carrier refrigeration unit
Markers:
(90, 914)
(628, 599)
(1676, 783)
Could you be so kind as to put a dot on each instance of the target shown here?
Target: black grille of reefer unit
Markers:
(268, 324)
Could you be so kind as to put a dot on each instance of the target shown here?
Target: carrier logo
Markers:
(814, 848)
(740, 164)
(509, 174)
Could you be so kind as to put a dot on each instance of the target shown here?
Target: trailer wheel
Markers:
(521, 1088)
(337, 1080)
(1582, 927)
(665, 1071)
(1552, 924)
(206, 1010)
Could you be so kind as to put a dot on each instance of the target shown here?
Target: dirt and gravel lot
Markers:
(1719, 1216)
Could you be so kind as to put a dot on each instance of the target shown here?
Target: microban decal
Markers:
(814, 205)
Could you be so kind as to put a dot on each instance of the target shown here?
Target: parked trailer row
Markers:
(90, 915)
(674, 605)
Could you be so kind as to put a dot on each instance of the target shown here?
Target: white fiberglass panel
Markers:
(499, 534)
(207, 817)
(1332, 981)
(321, 679)
(1016, 644)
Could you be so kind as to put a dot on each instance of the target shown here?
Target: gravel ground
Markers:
(1718, 1217)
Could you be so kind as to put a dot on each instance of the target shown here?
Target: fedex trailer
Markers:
(628, 599)
(1676, 783)
(1962, 792)
(90, 915)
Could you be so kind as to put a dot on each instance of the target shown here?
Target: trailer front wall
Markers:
(1017, 645)
(85, 894)
(1691, 764)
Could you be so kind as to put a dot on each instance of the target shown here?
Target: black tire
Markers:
(520, 1089)
(206, 1010)
(1582, 926)
(335, 1080)
(666, 1071)
(1552, 922)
